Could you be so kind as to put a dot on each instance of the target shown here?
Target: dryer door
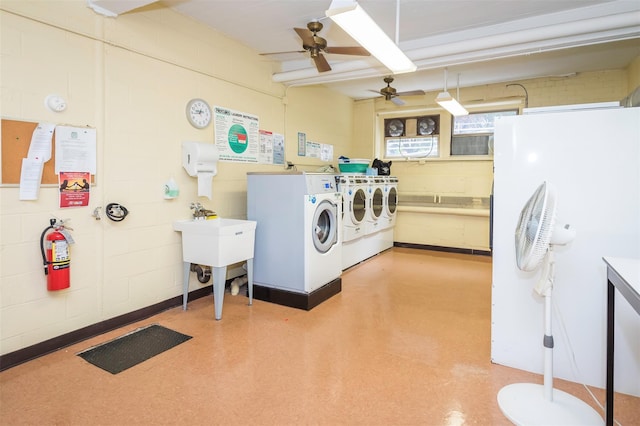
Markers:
(392, 201)
(377, 202)
(325, 223)
(358, 206)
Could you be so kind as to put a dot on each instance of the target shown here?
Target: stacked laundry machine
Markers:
(369, 215)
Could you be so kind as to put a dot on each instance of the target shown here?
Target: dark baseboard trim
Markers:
(306, 301)
(39, 349)
(445, 249)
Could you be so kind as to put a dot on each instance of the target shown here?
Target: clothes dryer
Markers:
(298, 240)
(355, 205)
(376, 203)
(390, 202)
(355, 191)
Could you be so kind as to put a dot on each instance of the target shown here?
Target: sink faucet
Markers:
(199, 212)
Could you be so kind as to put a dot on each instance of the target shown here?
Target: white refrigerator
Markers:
(592, 157)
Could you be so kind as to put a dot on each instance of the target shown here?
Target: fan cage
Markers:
(535, 228)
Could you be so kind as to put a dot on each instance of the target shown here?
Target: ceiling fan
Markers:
(390, 93)
(316, 45)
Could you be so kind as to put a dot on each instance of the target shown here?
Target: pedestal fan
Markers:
(529, 403)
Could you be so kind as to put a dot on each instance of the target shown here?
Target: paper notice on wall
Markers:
(75, 189)
(75, 149)
(326, 153)
(30, 178)
(278, 148)
(236, 135)
(40, 146)
(265, 153)
(313, 149)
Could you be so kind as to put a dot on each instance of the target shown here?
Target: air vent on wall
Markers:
(411, 127)
(427, 125)
(394, 127)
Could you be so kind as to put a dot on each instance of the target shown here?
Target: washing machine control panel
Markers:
(321, 184)
(345, 181)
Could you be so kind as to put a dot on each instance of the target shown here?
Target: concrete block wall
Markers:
(130, 78)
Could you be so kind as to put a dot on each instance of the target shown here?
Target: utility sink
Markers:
(216, 242)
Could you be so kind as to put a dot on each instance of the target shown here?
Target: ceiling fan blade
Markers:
(282, 53)
(396, 100)
(411, 93)
(354, 50)
(305, 35)
(321, 63)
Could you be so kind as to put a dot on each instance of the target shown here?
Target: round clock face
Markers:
(198, 113)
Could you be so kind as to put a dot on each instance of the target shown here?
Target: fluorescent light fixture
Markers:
(113, 8)
(359, 25)
(448, 102)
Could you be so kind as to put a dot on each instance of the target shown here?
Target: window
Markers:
(412, 137)
(411, 147)
(473, 134)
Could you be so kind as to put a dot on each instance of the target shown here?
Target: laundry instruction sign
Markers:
(236, 135)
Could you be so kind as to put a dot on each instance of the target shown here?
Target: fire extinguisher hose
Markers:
(44, 257)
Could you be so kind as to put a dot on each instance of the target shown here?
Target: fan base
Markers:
(525, 404)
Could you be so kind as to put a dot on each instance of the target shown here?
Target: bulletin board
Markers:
(16, 138)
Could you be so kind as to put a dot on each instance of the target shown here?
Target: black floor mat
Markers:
(131, 349)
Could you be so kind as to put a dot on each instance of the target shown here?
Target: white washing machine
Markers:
(298, 240)
(355, 191)
(379, 232)
(355, 204)
(376, 204)
(390, 202)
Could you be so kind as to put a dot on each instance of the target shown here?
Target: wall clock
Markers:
(198, 113)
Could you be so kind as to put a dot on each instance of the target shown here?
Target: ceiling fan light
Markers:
(448, 102)
(358, 24)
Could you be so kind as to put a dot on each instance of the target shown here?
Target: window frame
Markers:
(405, 117)
(411, 139)
(478, 134)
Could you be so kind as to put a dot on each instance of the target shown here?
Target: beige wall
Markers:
(448, 176)
(130, 78)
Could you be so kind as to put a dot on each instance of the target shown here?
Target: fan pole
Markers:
(548, 349)
(544, 287)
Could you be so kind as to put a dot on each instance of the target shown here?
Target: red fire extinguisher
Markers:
(56, 255)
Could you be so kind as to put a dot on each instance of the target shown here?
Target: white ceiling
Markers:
(479, 41)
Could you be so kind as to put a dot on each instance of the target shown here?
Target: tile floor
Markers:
(406, 342)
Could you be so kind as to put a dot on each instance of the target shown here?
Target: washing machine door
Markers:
(392, 201)
(358, 206)
(377, 203)
(324, 226)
